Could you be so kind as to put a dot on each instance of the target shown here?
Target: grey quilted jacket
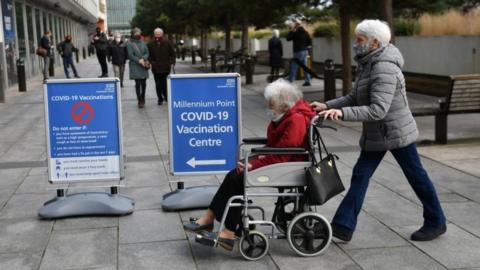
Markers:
(379, 100)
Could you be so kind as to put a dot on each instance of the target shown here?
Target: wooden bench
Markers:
(454, 95)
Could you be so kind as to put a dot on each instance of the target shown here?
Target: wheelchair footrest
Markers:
(205, 241)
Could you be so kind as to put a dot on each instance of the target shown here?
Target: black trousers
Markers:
(232, 185)
(161, 85)
(140, 88)
(102, 59)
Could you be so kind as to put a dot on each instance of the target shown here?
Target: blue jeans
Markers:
(66, 62)
(302, 56)
(408, 159)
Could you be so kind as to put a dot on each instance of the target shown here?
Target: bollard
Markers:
(329, 80)
(22, 82)
(213, 61)
(184, 51)
(249, 70)
(76, 56)
(193, 57)
(84, 53)
(51, 67)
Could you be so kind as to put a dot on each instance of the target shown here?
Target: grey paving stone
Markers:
(455, 249)
(146, 147)
(208, 258)
(332, 258)
(149, 226)
(370, 233)
(11, 178)
(405, 258)
(24, 205)
(39, 184)
(465, 215)
(22, 235)
(157, 255)
(146, 197)
(85, 223)
(95, 248)
(144, 174)
(20, 261)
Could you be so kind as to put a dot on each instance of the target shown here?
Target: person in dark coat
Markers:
(46, 43)
(117, 54)
(162, 57)
(276, 52)
(290, 117)
(378, 99)
(100, 42)
(66, 50)
(138, 57)
(301, 43)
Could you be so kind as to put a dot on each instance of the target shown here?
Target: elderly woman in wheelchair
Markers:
(279, 165)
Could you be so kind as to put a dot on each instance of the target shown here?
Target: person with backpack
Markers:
(66, 50)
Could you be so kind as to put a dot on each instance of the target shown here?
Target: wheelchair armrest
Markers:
(274, 150)
(255, 140)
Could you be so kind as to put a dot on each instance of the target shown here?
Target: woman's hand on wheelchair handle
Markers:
(241, 167)
(332, 114)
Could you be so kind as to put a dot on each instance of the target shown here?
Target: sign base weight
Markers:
(87, 204)
(198, 197)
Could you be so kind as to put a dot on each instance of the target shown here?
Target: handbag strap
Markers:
(320, 143)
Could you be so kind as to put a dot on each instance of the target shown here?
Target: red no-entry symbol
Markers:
(82, 112)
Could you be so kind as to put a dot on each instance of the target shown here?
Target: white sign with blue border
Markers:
(204, 122)
(84, 130)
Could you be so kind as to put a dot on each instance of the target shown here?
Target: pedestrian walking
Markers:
(66, 50)
(117, 54)
(46, 44)
(162, 57)
(275, 51)
(378, 99)
(100, 42)
(138, 64)
(301, 44)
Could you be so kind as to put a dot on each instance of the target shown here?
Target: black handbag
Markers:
(323, 180)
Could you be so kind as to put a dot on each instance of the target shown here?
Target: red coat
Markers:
(290, 131)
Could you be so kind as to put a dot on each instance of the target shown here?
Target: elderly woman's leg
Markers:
(434, 218)
(232, 185)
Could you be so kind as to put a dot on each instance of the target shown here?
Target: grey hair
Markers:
(282, 92)
(117, 34)
(375, 29)
(136, 31)
(276, 33)
(158, 29)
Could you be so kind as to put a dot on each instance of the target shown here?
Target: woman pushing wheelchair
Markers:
(290, 117)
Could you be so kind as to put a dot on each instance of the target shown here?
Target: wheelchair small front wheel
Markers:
(309, 234)
(253, 245)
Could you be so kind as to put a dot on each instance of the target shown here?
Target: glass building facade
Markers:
(120, 14)
(24, 22)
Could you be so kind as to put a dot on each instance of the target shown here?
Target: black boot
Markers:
(428, 233)
(341, 232)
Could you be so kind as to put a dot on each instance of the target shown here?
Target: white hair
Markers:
(158, 30)
(282, 92)
(276, 33)
(136, 31)
(374, 29)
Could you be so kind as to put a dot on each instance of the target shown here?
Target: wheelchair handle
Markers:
(318, 122)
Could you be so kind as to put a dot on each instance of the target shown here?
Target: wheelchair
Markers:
(308, 233)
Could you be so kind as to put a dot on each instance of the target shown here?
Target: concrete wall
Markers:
(445, 55)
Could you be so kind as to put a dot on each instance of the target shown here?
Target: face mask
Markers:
(68, 40)
(158, 38)
(361, 50)
(117, 40)
(274, 116)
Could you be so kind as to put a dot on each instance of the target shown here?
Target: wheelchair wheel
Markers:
(253, 245)
(309, 234)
